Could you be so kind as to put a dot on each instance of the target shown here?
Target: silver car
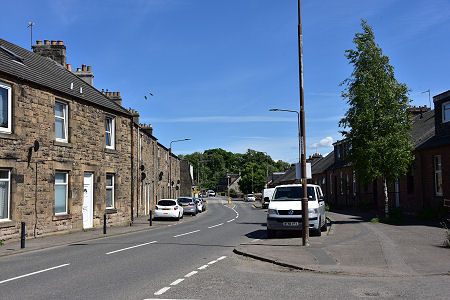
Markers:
(189, 205)
(201, 204)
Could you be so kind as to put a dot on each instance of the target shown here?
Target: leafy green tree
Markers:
(376, 125)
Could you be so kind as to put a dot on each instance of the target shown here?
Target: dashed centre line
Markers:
(215, 225)
(33, 273)
(162, 291)
(202, 267)
(190, 274)
(212, 262)
(177, 281)
(186, 233)
(140, 245)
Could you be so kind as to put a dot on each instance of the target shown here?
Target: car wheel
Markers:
(178, 218)
(270, 233)
(324, 227)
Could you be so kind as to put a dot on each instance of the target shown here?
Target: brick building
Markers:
(87, 162)
(424, 187)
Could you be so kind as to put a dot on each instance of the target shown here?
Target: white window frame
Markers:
(110, 187)
(354, 183)
(112, 132)
(66, 184)
(437, 162)
(8, 180)
(64, 118)
(9, 91)
(445, 106)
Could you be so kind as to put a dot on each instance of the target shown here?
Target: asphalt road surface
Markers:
(188, 260)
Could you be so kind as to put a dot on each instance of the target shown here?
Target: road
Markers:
(189, 260)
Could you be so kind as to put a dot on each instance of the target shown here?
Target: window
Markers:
(109, 190)
(438, 175)
(61, 121)
(340, 180)
(354, 183)
(5, 108)
(60, 193)
(109, 132)
(4, 194)
(446, 112)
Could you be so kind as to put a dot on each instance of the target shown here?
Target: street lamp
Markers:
(305, 218)
(170, 164)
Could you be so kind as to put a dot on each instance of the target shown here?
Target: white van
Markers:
(285, 209)
(267, 195)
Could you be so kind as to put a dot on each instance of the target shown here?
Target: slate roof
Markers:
(423, 128)
(323, 164)
(287, 177)
(26, 65)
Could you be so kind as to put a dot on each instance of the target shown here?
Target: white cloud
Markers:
(323, 143)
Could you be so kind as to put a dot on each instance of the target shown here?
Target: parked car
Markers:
(285, 209)
(168, 208)
(267, 195)
(211, 193)
(250, 198)
(201, 204)
(189, 205)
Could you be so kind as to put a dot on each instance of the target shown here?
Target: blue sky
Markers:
(217, 67)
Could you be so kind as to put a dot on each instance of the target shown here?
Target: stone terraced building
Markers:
(69, 152)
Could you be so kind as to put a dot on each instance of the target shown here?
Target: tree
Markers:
(253, 178)
(376, 125)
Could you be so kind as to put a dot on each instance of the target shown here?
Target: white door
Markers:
(88, 201)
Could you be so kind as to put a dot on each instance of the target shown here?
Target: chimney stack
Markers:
(55, 50)
(114, 96)
(85, 73)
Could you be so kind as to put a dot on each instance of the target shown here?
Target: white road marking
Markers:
(255, 240)
(190, 274)
(186, 233)
(212, 262)
(177, 281)
(140, 245)
(202, 267)
(220, 258)
(230, 221)
(215, 225)
(33, 273)
(162, 291)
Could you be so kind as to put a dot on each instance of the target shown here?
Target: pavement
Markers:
(355, 246)
(55, 239)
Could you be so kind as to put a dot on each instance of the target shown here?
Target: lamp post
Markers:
(170, 164)
(305, 218)
(267, 169)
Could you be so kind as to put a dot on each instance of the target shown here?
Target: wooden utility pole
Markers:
(302, 157)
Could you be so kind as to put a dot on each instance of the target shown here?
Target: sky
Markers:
(215, 68)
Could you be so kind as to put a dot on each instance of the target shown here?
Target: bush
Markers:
(233, 193)
(427, 214)
(327, 207)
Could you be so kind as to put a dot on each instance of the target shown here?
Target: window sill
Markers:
(8, 223)
(112, 151)
(111, 211)
(8, 136)
(63, 144)
(62, 217)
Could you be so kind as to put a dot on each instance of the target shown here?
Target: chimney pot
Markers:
(38, 42)
(46, 42)
(118, 94)
(78, 69)
(89, 68)
(103, 91)
(83, 68)
(69, 67)
(60, 43)
(53, 42)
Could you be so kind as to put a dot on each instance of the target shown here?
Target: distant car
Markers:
(201, 204)
(267, 195)
(211, 193)
(168, 208)
(250, 198)
(189, 205)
